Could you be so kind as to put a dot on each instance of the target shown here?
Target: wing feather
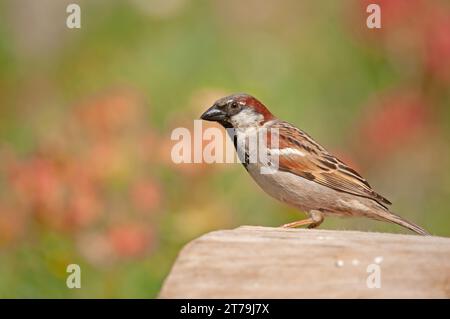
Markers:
(319, 166)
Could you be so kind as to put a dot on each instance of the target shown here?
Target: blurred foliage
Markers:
(86, 116)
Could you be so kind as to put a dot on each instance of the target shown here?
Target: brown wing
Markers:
(319, 166)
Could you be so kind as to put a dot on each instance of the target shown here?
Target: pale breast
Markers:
(308, 195)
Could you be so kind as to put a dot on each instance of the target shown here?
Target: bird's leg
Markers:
(315, 219)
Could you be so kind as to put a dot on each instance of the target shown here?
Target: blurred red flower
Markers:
(146, 196)
(110, 112)
(130, 240)
(393, 122)
(83, 208)
(438, 47)
(37, 182)
(12, 224)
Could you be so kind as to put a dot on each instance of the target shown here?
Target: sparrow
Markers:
(307, 176)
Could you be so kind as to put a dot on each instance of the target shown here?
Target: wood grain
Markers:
(261, 262)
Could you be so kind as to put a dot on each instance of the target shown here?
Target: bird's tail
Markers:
(403, 222)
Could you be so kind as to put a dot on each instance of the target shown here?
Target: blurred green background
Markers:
(86, 116)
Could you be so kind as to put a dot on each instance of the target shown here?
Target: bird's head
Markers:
(238, 111)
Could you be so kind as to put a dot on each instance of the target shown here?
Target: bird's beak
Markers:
(214, 114)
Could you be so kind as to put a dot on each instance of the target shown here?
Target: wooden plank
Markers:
(261, 262)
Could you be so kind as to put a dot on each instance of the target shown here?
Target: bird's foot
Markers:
(307, 221)
(316, 218)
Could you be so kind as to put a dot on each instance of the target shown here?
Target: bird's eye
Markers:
(234, 105)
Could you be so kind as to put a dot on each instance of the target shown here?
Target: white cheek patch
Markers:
(287, 151)
(246, 118)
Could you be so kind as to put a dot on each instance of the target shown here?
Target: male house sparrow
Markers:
(308, 177)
